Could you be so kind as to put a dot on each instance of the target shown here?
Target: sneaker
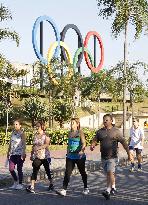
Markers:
(139, 169)
(132, 169)
(14, 185)
(19, 187)
(51, 187)
(30, 189)
(106, 194)
(62, 192)
(85, 191)
(113, 191)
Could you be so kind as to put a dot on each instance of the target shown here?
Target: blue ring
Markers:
(34, 41)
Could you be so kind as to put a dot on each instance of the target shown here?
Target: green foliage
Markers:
(5, 33)
(96, 84)
(134, 82)
(34, 110)
(57, 137)
(62, 111)
(125, 11)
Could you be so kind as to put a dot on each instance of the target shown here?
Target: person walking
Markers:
(109, 136)
(40, 155)
(136, 144)
(75, 155)
(16, 154)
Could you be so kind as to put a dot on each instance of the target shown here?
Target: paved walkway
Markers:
(58, 161)
(132, 190)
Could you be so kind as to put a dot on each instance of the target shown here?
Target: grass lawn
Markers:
(3, 149)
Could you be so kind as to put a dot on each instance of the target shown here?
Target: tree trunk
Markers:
(99, 109)
(125, 80)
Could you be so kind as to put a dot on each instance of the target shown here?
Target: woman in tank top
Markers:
(17, 154)
(40, 155)
(75, 155)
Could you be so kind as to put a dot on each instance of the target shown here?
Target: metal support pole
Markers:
(95, 51)
(79, 44)
(41, 52)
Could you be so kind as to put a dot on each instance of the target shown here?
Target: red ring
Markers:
(92, 68)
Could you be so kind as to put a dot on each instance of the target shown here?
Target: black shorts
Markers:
(138, 151)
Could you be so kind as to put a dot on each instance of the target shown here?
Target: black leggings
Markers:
(36, 166)
(70, 164)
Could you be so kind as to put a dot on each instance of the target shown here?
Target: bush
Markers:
(57, 137)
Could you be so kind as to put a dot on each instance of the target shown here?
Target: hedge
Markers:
(57, 137)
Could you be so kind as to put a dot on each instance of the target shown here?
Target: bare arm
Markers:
(142, 137)
(124, 143)
(94, 142)
(24, 143)
(83, 141)
(8, 152)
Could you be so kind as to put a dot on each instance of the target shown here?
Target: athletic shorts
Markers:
(138, 151)
(109, 165)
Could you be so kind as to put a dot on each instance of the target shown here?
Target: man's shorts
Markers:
(138, 151)
(109, 165)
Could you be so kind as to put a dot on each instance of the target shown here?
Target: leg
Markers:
(19, 168)
(109, 168)
(110, 180)
(81, 166)
(36, 166)
(47, 169)
(131, 149)
(110, 173)
(70, 164)
(139, 158)
(12, 163)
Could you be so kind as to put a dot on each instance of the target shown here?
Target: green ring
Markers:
(77, 53)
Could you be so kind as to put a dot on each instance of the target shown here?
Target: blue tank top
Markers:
(74, 146)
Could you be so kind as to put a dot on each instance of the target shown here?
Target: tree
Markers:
(5, 33)
(7, 74)
(34, 110)
(62, 111)
(135, 86)
(125, 12)
(58, 82)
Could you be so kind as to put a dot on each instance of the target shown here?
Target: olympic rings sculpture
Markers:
(60, 45)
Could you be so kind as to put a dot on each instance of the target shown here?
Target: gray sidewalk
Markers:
(93, 163)
(132, 190)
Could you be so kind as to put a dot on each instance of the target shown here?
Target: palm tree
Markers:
(5, 33)
(125, 12)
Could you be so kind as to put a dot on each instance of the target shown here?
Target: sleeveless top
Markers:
(42, 153)
(16, 145)
(74, 146)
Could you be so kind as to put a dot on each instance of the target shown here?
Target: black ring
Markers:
(80, 44)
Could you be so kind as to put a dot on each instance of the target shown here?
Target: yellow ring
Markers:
(50, 54)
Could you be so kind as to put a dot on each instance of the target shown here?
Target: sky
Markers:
(82, 13)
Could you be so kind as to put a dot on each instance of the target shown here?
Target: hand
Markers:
(130, 157)
(81, 152)
(92, 148)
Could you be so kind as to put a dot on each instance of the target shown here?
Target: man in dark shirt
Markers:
(109, 136)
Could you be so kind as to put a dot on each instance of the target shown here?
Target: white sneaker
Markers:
(14, 185)
(85, 191)
(19, 187)
(62, 192)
